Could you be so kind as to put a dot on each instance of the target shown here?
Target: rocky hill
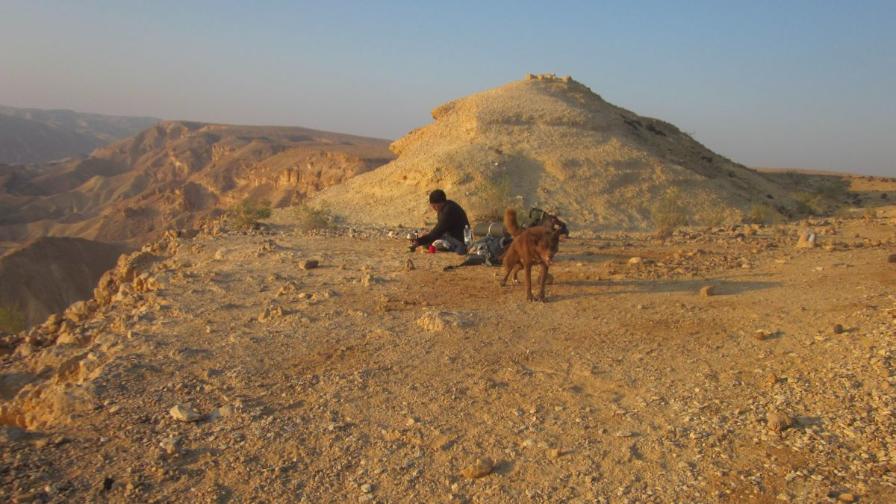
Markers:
(30, 135)
(169, 176)
(552, 142)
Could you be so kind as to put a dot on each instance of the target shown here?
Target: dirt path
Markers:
(362, 381)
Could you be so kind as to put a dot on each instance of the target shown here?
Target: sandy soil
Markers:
(361, 380)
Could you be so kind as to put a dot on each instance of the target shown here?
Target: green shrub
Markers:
(669, 213)
(11, 320)
(247, 213)
(307, 218)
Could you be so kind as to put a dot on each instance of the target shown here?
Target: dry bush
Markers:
(11, 320)
(669, 213)
(307, 218)
(247, 213)
(826, 198)
(763, 213)
(716, 216)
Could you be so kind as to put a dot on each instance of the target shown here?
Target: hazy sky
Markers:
(781, 83)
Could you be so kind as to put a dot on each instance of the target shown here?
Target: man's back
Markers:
(453, 219)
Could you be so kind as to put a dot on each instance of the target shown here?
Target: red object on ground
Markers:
(432, 249)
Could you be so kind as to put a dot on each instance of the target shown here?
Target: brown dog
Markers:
(535, 245)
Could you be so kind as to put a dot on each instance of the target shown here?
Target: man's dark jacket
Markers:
(452, 220)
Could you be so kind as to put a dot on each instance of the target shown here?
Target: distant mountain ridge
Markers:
(29, 135)
(174, 173)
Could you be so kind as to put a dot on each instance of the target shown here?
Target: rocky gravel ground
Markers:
(737, 364)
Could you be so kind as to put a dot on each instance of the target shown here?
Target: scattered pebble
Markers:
(184, 412)
(762, 334)
(171, 445)
(778, 422)
(309, 264)
(479, 468)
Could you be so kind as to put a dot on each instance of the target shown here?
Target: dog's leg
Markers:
(507, 269)
(529, 282)
(544, 278)
(516, 270)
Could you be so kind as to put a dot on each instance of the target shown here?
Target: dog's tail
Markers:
(510, 224)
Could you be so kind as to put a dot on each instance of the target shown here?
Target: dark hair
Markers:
(437, 196)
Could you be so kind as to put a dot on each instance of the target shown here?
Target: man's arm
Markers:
(435, 234)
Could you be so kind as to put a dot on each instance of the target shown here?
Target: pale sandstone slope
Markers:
(563, 147)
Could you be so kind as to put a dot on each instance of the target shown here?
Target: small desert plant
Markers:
(806, 203)
(669, 213)
(307, 218)
(762, 213)
(247, 213)
(11, 320)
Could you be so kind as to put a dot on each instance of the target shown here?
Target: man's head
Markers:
(437, 199)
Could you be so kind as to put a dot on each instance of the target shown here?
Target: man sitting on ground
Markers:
(449, 231)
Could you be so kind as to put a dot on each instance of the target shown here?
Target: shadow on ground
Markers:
(722, 287)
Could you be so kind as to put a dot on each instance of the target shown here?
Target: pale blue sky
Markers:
(796, 84)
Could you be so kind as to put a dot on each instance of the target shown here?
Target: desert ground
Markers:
(227, 367)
